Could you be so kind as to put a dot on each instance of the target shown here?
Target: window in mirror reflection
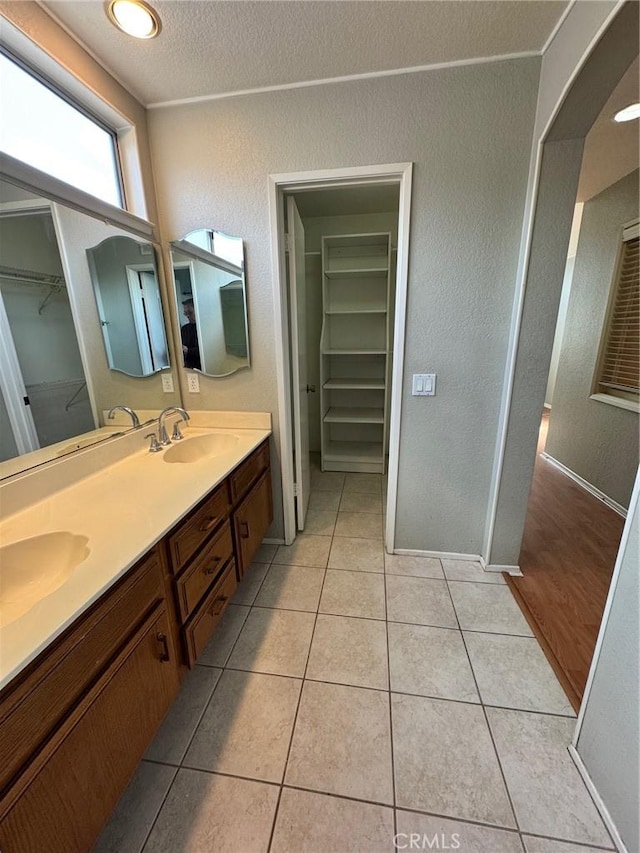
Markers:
(42, 378)
(208, 268)
(125, 283)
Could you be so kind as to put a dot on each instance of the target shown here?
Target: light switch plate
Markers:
(424, 385)
(167, 383)
(193, 383)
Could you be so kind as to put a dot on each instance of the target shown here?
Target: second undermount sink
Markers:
(198, 448)
(33, 568)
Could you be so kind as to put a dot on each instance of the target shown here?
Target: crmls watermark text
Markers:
(421, 841)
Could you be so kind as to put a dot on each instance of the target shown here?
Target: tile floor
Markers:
(350, 698)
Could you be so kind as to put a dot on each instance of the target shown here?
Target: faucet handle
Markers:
(176, 435)
(154, 447)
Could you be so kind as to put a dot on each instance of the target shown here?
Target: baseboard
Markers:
(273, 542)
(597, 799)
(440, 555)
(614, 505)
(496, 567)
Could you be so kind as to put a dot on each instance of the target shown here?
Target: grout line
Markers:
(460, 820)
(161, 806)
(393, 761)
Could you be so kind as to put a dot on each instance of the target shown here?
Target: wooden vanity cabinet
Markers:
(76, 723)
(210, 550)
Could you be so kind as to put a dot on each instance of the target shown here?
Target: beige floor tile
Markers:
(316, 823)
(247, 726)
(326, 501)
(306, 550)
(513, 672)
(357, 555)
(361, 502)
(205, 812)
(361, 525)
(274, 641)
(327, 481)
(548, 845)
(250, 584)
(547, 791)
(341, 743)
(371, 483)
(456, 835)
(468, 570)
(321, 522)
(488, 607)
(417, 567)
(422, 601)
(291, 588)
(218, 649)
(430, 662)
(265, 553)
(353, 594)
(172, 740)
(349, 651)
(445, 761)
(137, 809)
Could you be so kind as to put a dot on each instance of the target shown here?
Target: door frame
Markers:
(290, 182)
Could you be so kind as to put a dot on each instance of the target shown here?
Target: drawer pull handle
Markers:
(244, 529)
(220, 601)
(162, 639)
(209, 523)
(211, 570)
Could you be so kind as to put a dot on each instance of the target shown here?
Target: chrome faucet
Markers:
(134, 418)
(163, 438)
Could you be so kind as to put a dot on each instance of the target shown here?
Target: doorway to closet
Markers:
(342, 288)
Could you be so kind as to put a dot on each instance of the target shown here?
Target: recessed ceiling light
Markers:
(628, 113)
(134, 17)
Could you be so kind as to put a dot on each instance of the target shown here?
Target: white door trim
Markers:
(396, 173)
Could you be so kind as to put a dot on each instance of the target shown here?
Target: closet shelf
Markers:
(359, 452)
(354, 384)
(372, 272)
(354, 352)
(357, 309)
(354, 415)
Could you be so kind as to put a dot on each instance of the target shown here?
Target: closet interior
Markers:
(350, 258)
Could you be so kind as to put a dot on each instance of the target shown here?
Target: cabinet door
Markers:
(64, 798)
(251, 521)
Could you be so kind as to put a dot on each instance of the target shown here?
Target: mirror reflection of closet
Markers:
(208, 269)
(125, 283)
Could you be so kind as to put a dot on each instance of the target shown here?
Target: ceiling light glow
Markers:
(134, 17)
(628, 113)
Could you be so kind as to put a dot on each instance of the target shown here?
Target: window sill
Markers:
(619, 402)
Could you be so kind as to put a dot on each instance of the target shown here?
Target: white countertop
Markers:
(123, 509)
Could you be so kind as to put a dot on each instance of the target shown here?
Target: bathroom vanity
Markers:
(79, 710)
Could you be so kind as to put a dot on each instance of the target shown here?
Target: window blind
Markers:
(620, 366)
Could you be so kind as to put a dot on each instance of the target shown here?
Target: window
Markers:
(43, 129)
(618, 374)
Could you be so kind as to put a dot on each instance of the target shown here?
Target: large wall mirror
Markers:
(208, 270)
(125, 282)
(56, 377)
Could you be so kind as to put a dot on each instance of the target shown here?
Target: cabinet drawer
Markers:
(63, 799)
(251, 521)
(193, 531)
(203, 571)
(198, 631)
(31, 709)
(249, 471)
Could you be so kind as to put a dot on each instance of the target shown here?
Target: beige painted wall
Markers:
(468, 131)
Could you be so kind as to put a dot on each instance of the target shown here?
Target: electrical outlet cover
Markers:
(167, 383)
(193, 383)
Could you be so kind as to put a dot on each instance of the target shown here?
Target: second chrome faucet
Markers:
(162, 440)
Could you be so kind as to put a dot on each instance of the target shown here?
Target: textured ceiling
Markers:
(611, 149)
(212, 48)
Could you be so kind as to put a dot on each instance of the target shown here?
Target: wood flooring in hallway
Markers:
(568, 553)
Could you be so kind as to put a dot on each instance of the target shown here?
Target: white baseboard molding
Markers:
(273, 542)
(440, 555)
(496, 567)
(614, 505)
(597, 799)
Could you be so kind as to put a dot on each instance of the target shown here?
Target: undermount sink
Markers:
(201, 447)
(33, 568)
